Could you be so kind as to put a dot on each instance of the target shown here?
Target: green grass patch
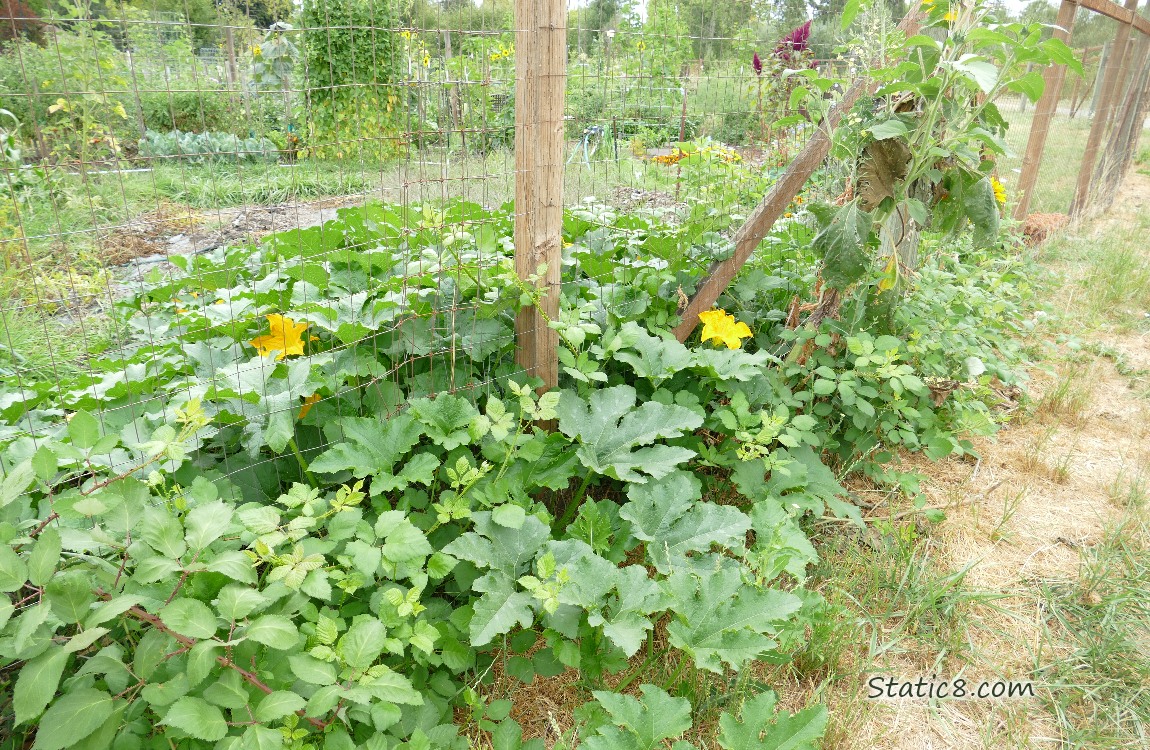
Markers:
(1097, 629)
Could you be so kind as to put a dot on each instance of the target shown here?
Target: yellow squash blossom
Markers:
(720, 326)
(285, 337)
(951, 16)
(307, 404)
(999, 190)
(257, 51)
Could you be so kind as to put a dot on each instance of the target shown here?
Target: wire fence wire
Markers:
(311, 220)
(1084, 111)
(301, 221)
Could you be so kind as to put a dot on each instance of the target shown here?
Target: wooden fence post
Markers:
(540, 82)
(1043, 114)
(1114, 159)
(1107, 101)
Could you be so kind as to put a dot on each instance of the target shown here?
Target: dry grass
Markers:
(1048, 535)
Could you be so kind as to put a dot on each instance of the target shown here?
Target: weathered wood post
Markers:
(540, 83)
(1111, 88)
(1043, 114)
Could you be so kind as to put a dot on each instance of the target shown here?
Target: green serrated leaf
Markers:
(74, 716)
(190, 617)
(369, 446)
(273, 631)
(235, 602)
(163, 533)
(640, 723)
(196, 718)
(70, 594)
(278, 704)
(37, 684)
(668, 515)
(18, 479)
(720, 620)
(763, 728)
(84, 430)
(207, 523)
(445, 419)
(13, 570)
(310, 669)
(499, 612)
(45, 556)
(362, 644)
(262, 738)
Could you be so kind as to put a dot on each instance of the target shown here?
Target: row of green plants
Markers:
(246, 530)
(308, 499)
(206, 148)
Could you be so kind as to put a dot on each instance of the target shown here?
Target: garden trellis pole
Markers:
(751, 233)
(1111, 87)
(540, 84)
(1044, 113)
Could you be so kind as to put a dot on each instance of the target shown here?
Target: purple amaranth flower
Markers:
(796, 41)
(757, 64)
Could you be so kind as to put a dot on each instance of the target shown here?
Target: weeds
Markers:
(1130, 492)
(1100, 681)
(1067, 400)
(224, 186)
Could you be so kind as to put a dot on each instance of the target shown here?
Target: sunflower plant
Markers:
(922, 151)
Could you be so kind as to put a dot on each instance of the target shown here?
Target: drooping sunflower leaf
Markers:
(842, 244)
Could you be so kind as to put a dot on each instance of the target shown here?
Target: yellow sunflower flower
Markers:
(999, 190)
(720, 326)
(284, 338)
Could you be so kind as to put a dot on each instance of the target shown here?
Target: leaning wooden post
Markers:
(1044, 113)
(1111, 87)
(540, 82)
(771, 207)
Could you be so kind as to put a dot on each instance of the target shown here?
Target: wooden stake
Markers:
(1043, 114)
(1111, 87)
(540, 82)
(776, 201)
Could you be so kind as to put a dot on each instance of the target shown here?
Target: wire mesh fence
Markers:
(300, 221)
(1074, 147)
(310, 217)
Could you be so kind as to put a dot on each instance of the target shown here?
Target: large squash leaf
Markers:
(612, 433)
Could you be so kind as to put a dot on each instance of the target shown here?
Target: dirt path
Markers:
(1026, 518)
